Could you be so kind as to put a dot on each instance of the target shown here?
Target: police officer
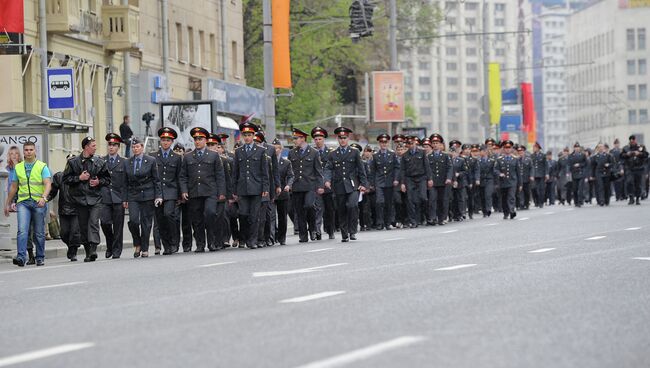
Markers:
(385, 176)
(143, 195)
(619, 180)
(526, 178)
(486, 186)
(325, 204)
(508, 170)
(282, 201)
(551, 182)
(578, 165)
(266, 224)
(471, 154)
(224, 220)
(416, 178)
(169, 168)
(603, 165)
(251, 182)
(564, 181)
(203, 185)
(344, 173)
(634, 156)
(113, 198)
(442, 174)
(459, 183)
(307, 183)
(539, 174)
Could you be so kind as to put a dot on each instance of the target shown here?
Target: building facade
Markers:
(611, 73)
(92, 36)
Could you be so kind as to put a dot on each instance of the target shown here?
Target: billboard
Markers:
(630, 4)
(8, 141)
(388, 96)
(184, 116)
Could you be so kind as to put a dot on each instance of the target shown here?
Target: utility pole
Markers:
(42, 37)
(393, 35)
(164, 6)
(269, 97)
(127, 76)
(492, 129)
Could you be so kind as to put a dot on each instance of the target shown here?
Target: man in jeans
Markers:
(32, 181)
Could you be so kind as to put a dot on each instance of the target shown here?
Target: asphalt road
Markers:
(556, 287)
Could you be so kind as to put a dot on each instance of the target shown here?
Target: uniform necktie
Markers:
(165, 155)
(137, 166)
(112, 160)
(248, 148)
(200, 153)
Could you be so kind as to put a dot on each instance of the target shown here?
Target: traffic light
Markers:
(361, 19)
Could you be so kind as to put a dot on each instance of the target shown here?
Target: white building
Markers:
(608, 39)
(444, 80)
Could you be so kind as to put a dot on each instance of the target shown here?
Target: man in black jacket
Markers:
(634, 156)
(487, 182)
(126, 133)
(169, 169)
(85, 176)
(325, 205)
(442, 173)
(282, 201)
(416, 178)
(113, 198)
(539, 173)
(577, 163)
(385, 172)
(602, 167)
(508, 170)
(67, 214)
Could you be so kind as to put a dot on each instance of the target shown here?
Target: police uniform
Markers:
(266, 223)
(460, 182)
(282, 201)
(577, 163)
(553, 175)
(385, 174)
(635, 157)
(508, 171)
(539, 172)
(325, 203)
(526, 172)
(441, 167)
(345, 174)
(143, 187)
(564, 182)
(308, 178)
(251, 178)
(486, 177)
(203, 180)
(415, 175)
(602, 167)
(113, 198)
(168, 214)
(474, 177)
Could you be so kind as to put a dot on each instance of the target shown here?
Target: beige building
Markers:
(91, 36)
(611, 72)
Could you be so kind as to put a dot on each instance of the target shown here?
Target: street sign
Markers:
(60, 89)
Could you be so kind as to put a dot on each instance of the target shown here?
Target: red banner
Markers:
(12, 17)
(528, 107)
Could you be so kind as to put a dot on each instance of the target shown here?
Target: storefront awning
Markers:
(25, 120)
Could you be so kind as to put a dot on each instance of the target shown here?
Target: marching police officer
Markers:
(307, 183)
(385, 171)
(266, 223)
(344, 173)
(553, 175)
(603, 165)
(325, 204)
(416, 178)
(113, 198)
(459, 183)
(635, 156)
(251, 182)
(169, 167)
(282, 201)
(539, 173)
(508, 170)
(441, 168)
(203, 184)
(578, 165)
(486, 186)
(526, 178)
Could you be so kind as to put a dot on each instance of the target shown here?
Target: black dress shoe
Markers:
(167, 253)
(282, 242)
(31, 261)
(114, 257)
(40, 262)
(388, 227)
(108, 254)
(87, 259)
(93, 257)
(252, 246)
(312, 235)
(199, 250)
(19, 262)
(319, 236)
(513, 215)
(505, 216)
(345, 240)
(74, 258)
(157, 251)
(353, 236)
(331, 236)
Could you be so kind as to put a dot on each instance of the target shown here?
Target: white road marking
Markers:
(632, 228)
(56, 285)
(492, 224)
(458, 267)
(569, 209)
(38, 268)
(365, 353)
(542, 250)
(394, 239)
(549, 213)
(596, 237)
(40, 354)
(318, 250)
(307, 298)
(642, 258)
(214, 264)
(524, 219)
(449, 231)
(294, 272)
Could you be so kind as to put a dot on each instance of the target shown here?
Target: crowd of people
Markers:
(211, 198)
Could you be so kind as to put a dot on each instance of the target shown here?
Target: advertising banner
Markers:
(388, 96)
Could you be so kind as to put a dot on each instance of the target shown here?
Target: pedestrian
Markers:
(487, 183)
(551, 182)
(282, 201)
(85, 176)
(126, 133)
(307, 185)
(346, 176)
(442, 173)
(223, 221)
(416, 178)
(143, 195)
(203, 186)
(603, 165)
(185, 219)
(459, 183)
(113, 198)
(526, 177)
(564, 181)
(251, 182)
(539, 174)
(385, 177)
(167, 215)
(67, 214)
(634, 156)
(31, 180)
(579, 173)
(618, 180)
(325, 203)
(366, 204)
(266, 223)
(508, 169)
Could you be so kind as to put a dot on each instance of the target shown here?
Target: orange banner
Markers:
(281, 53)
(388, 96)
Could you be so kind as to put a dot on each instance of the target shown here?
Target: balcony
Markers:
(63, 16)
(121, 27)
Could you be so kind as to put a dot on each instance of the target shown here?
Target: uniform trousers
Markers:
(282, 207)
(538, 192)
(550, 192)
(304, 212)
(70, 233)
(348, 212)
(186, 227)
(578, 191)
(485, 193)
(384, 206)
(89, 226)
(112, 223)
(140, 222)
(416, 192)
(249, 209)
(439, 203)
(508, 200)
(603, 190)
(634, 181)
(168, 220)
(204, 212)
(325, 213)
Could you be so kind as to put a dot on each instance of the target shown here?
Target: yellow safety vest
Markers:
(32, 186)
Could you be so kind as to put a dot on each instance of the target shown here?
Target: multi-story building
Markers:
(92, 36)
(445, 79)
(607, 41)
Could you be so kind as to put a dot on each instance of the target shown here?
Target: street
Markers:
(556, 287)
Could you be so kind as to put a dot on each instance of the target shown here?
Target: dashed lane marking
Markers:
(642, 258)
(318, 250)
(449, 231)
(394, 239)
(457, 267)
(44, 353)
(524, 219)
(632, 228)
(311, 297)
(56, 285)
(214, 264)
(542, 250)
(596, 237)
(294, 272)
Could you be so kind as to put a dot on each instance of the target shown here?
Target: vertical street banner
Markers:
(12, 18)
(528, 107)
(388, 96)
(281, 49)
(494, 92)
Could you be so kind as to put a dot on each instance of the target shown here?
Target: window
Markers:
(501, 37)
(213, 52)
(452, 111)
(640, 35)
(451, 5)
(499, 7)
(630, 39)
(499, 22)
(472, 97)
(470, 22)
(473, 127)
(190, 45)
(426, 111)
(452, 66)
(452, 96)
(451, 51)
(631, 67)
(631, 116)
(643, 91)
(180, 47)
(203, 57)
(408, 96)
(234, 62)
(471, 67)
(642, 66)
(423, 50)
(472, 112)
(451, 81)
(453, 127)
(405, 65)
(500, 52)
(471, 6)
(424, 65)
(472, 82)
(631, 92)
(470, 51)
(643, 116)
(425, 96)
(424, 81)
